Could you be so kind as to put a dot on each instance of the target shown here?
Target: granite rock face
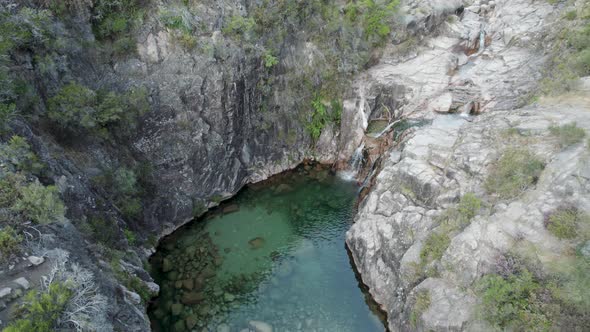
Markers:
(453, 154)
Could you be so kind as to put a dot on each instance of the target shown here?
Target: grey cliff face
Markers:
(451, 156)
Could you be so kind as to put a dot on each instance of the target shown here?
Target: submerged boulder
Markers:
(256, 243)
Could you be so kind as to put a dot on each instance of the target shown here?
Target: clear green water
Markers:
(275, 253)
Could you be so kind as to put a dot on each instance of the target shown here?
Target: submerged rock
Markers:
(223, 328)
(192, 298)
(228, 297)
(231, 208)
(260, 326)
(176, 309)
(256, 243)
(283, 188)
(191, 321)
(166, 265)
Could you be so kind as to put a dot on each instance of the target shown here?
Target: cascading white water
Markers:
(354, 164)
(482, 38)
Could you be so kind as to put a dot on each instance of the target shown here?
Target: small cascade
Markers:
(482, 38)
(354, 165)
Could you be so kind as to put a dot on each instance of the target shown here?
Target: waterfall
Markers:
(354, 164)
(482, 38)
(357, 158)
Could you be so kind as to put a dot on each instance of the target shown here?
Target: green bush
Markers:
(7, 112)
(568, 134)
(322, 115)
(41, 310)
(130, 207)
(469, 206)
(40, 204)
(77, 106)
(74, 105)
(19, 157)
(459, 217)
(10, 185)
(124, 46)
(239, 26)
(130, 236)
(571, 15)
(515, 171)
(434, 247)
(511, 303)
(564, 222)
(420, 306)
(105, 231)
(125, 190)
(187, 40)
(9, 242)
(572, 290)
(270, 60)
(114, 19)
(581, 62)
(377, 17)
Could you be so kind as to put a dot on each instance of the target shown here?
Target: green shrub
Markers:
(173, 20)
(187, 40)
(565, 221)
(515, 171)
(7, 112)
(469, 206)
(10, 185)
(9, 242)
(104, 230)
(18, 156)
(124, 188)
(74, 105)
(377, 17)
(571, 15)
(125, 182)
(434, 247)
(239, 26)
(420, 306)
(568, 134)
(270, 60)
(511, 303)
(130, 236)
(322, 116)
(40, 204)
(572, 290)
(124, 46)
(581, 62)
(459, 217)
(114, 19)
(130, 207)
(77, 106)
(41, 310)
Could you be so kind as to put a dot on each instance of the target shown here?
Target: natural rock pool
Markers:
(272, 257)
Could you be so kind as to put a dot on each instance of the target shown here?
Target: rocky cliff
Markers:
(142, 114)
(441, 221)
(178, 104)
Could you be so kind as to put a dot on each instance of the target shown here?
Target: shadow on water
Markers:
(273, 254)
